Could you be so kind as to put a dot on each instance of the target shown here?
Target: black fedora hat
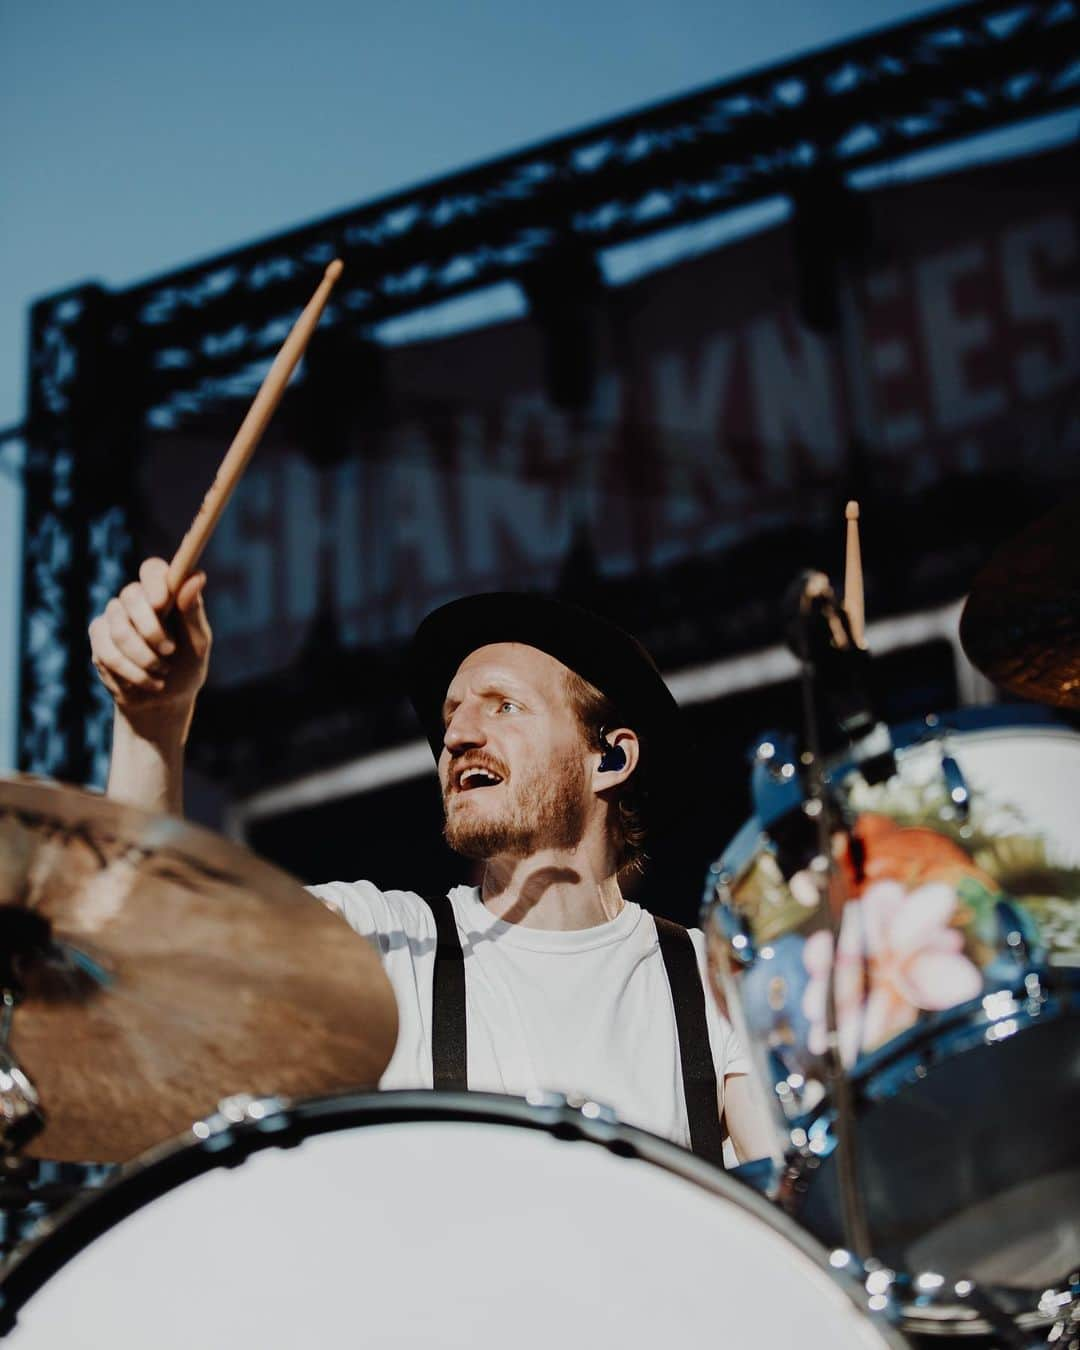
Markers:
(591, 646)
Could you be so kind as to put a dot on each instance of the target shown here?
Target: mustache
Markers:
(474, 761)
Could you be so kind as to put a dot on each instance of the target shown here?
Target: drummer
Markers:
(556, 742)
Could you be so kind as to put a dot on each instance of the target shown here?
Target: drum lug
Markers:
(931, 1305)
(957, 787)
(1015, 929)
(574, 1115)
(881, 1283)
(234, 1116)
(775, 783)
(545, 1099)
(592, 1110)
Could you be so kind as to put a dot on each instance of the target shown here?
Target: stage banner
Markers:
(719, 441)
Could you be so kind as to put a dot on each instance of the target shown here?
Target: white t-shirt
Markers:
(585, 1013)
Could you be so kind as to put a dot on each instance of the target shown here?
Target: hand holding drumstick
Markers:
(154, 671)
(153, 674)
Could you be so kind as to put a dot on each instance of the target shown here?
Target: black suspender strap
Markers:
(698, 1070)
(449, 1049)
(449, 1045)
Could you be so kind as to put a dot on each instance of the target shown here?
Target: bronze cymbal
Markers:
(178, 969)
(1021, 622)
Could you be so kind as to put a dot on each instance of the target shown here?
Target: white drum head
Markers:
(445, 1233)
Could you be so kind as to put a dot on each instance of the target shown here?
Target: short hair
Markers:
(597, 715)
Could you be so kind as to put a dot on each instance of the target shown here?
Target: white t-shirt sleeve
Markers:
(399, 924)
(358, 903)
(729, 1057)
(401, 928)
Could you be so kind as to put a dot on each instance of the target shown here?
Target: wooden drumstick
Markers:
(853, 578)
(250, 433)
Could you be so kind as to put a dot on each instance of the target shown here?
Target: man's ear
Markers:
(614, 764)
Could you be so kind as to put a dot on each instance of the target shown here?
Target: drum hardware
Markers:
(1019, 942)
(907, 1061)
(594, 1111)
(23, 935)
(34, 965)
(31, 1191)
(780, 795)
(831, 662)
(21, 1116)
(873, 753)
(217, 1133)
(242, 1124)
(931, 1306)
(774, 776)
(728, 919)
(956, 786)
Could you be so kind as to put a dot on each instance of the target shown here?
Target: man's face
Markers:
(514, 764)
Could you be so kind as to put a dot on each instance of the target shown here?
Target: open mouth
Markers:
(474, 778)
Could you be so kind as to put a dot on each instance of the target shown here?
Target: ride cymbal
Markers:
(1021, 622)
(160, 968)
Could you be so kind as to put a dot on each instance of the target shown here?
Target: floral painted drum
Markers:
(957, 989)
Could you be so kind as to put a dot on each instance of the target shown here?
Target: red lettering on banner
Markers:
(705, 427)
(1034, 256)
(958, 328)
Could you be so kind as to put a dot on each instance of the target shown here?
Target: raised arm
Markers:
(154, 668)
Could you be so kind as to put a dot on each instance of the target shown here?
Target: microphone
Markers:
(818, 630)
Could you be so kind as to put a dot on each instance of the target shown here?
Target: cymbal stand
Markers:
(832, 901)
(21, 1113)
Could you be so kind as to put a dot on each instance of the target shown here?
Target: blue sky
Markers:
(139, 136)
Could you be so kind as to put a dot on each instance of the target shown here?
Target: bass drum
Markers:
(423, 1219)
